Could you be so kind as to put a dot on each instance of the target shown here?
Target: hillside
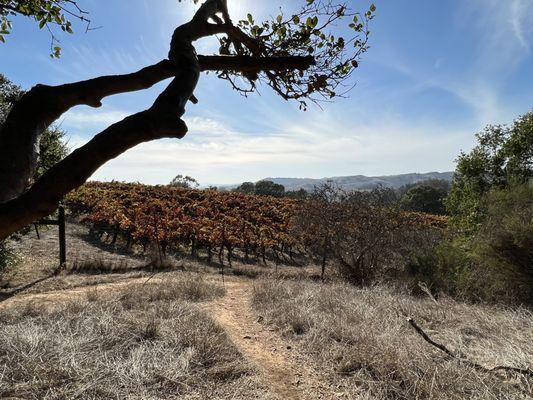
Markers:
(361, 182)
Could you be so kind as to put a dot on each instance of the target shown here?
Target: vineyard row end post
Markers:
(60, 222)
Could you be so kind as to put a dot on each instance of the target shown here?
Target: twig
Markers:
(425, 289)
(150, 277)
(461, 358)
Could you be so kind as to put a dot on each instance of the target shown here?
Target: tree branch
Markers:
(43, 105)
(160, 121)
(460, 357)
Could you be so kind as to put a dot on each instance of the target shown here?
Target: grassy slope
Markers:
(361, 340)
(143, 342)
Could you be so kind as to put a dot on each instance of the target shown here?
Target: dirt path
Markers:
(275, 359)
(281, 369)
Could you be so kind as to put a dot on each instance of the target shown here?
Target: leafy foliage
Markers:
(52, 146)
(46, 13)
(424, 198)
(505, 241)
(334, 34)
(269, 188)
(262, 188)
(330, 31)
(502, 158)
(246, 188)
(364, 233)
(186, 182)
(174, 218)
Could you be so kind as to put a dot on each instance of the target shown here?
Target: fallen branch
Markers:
(462, 358)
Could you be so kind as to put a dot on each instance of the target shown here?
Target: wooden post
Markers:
(62, 237)
(37, 231)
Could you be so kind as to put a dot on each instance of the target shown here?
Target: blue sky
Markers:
(437, 72)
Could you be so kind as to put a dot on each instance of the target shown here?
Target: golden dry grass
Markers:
(141, 342)
(362, 342)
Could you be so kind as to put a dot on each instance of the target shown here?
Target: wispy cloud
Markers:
(521, 14)
(315, 146)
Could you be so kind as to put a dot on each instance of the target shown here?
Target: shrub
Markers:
(502, 158)
(364, 234)
(494, 266)
(505, 241)
(443, 268)
(424, 198)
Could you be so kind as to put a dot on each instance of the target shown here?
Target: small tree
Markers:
(186, 182)
(502, 158)
(269, 188)
(368, 235)
(246, 188)
(424, 198)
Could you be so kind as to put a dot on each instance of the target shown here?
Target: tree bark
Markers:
(42, 105)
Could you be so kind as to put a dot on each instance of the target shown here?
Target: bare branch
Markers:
(461, 358)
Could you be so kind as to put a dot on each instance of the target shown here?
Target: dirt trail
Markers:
(275, 359)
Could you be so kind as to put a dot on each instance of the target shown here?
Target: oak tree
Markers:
(306, 55)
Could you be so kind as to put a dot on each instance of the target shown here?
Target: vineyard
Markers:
(179, 219)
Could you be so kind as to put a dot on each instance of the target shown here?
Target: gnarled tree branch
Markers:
(42, 105)
(44, 196)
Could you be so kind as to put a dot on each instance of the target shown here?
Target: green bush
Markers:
(424, 198)
(502, 158)
(494, 266)
(505, 241)
(443, 268)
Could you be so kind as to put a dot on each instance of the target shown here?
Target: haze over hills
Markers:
(355, 182)
(361, 182)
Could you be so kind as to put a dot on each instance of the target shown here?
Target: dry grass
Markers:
(144, 342)
(362, 341)
(311, 272)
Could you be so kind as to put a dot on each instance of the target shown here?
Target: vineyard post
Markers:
(62, 237)
(60, 222)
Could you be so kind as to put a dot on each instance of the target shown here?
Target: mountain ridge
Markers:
(362, 182)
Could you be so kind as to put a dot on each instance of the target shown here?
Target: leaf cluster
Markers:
(48, 14)
(331, 32)
(502, 158)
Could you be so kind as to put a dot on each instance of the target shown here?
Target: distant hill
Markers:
(361, 182)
